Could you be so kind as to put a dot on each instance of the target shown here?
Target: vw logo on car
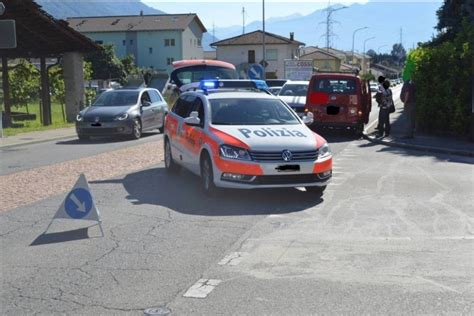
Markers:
(286, 155)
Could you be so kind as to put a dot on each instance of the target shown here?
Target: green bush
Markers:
(442, 77)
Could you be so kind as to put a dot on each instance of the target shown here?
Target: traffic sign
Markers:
(79, 204)
(255, 71)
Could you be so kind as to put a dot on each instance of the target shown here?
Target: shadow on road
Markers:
(53, 238)
(182, 193)
(337, 135)
(104, 140)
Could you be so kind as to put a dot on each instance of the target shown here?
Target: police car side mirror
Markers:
(308, 119)
(193, 119)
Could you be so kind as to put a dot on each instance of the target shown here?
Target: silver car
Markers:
(126, 112)
(294, 93)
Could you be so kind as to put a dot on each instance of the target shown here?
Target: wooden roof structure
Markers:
(256, 38)
(41, 35)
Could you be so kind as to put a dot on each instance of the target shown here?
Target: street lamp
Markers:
(353, 38)
(263, 41)
(363, 53)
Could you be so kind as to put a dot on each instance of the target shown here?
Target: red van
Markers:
(339, 100)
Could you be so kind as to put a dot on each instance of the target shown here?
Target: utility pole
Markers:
(330, 22)
(213, 31)
(401, 36)
(243, 20)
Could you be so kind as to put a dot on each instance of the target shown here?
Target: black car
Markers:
(126, 112)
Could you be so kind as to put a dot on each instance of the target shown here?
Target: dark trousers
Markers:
(384, 121)
(409, 111)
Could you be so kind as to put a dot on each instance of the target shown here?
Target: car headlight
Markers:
(121, 117)
(324, 151)
(79, 118)
(232, 152)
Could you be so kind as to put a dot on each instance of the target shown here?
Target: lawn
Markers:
(35, 125)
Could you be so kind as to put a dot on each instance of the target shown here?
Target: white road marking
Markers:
(232, 259)
(202, 288)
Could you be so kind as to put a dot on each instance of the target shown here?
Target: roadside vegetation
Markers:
(442, 73)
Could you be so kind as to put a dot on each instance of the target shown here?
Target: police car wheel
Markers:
(136, 129)
(318, 190)
(207, 176)
(170, 165)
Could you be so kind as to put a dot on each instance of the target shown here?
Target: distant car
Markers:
(374, 87)
(274, 90)
(123, 112)
(294, 93)
(276, 82)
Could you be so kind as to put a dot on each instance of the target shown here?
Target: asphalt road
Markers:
(392, 234)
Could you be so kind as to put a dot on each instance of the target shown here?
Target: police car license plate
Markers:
(288, 168)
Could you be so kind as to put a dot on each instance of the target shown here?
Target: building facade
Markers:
(323, 61)
(247, 49)
(155, 41)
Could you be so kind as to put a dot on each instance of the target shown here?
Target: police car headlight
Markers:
(324, 151)
(121, 117)
(231, 152)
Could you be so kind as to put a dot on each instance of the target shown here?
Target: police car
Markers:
(234, 134)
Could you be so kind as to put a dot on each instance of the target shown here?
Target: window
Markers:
(131, 42)
(155, 96)
(169, 42)
(251, 56)
(272, 54)
(150, 50)
(199, 107)
(145, 97)
(183, 106)
(169, 61)
(124, 42)
(99, 42)
(296, 90)
(334, 85)
(199, 42)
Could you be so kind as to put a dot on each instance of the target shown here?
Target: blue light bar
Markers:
(209, 84)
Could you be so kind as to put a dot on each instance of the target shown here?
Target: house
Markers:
(247, 49)
(322, 60)
(155, 41)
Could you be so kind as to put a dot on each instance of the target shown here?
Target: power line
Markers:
(329, 23)
(243, 20)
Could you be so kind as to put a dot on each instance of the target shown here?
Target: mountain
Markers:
(384, 19)
(62, 9)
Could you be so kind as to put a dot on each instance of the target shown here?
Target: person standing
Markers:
(407, 96)
(385, 99)
(381, 90)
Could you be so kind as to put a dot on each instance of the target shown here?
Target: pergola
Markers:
(39, 35)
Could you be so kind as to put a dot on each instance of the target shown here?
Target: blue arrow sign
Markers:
(255, 71)
(78, 203)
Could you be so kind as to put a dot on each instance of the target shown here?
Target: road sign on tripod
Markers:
(79, 205)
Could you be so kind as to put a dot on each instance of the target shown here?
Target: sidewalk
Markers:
(37, 137)
(423, 142)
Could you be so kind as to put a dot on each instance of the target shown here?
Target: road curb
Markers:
(39, 141)
(438, 150)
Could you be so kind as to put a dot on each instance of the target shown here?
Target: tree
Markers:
(451, 16)
(129, 65)
(24, 83)
(399, 54)
(371, 53)
(105, 65)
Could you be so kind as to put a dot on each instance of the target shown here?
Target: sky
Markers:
(224, 13)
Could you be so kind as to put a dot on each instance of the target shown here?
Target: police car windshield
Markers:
(117, 98)
(251, 112)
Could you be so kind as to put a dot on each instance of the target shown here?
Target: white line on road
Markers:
(232, 259)
(202, 288)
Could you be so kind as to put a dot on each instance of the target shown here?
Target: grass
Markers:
(35, 125)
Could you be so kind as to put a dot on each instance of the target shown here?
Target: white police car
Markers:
(234, 134)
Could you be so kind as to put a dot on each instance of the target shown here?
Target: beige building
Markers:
(322, 60)
(246, 49)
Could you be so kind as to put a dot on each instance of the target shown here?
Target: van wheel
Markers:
(207, 176)
(170, 165)
(315, 189)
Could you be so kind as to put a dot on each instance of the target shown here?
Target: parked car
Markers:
(187, 74)
(339, 100)
(374, 87)
(294, 93)
(274, 90)
(123, 112)
(276, 82)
